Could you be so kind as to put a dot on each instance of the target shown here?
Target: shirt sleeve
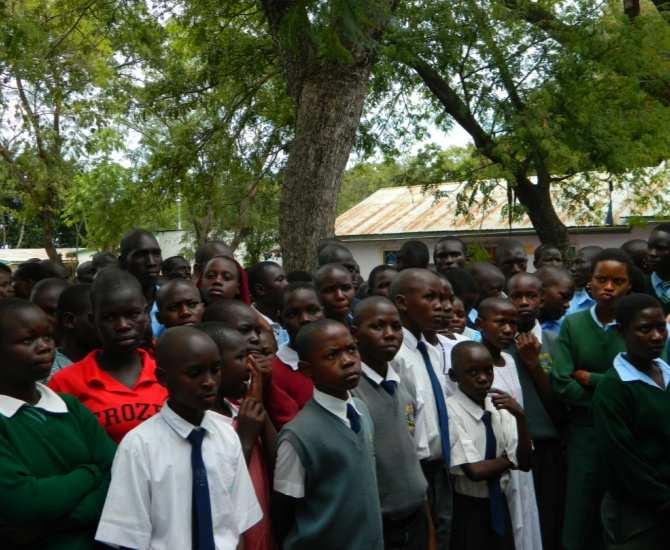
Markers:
(510, 436)
(617, 441)
(420, 433)
(126, 516)
(463, 447)
(27, 498)
(567, 388)
(243, 496)
(289, 477)
(102, 450)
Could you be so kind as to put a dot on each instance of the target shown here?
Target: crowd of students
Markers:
(463, 404)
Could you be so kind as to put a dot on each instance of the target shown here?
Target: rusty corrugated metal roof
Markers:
(398, 210)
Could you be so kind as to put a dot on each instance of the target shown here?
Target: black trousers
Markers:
(472, 526)
(440, 500)
(409, 533)
(549, 466)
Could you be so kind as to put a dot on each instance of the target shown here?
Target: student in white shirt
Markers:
(417, 295)
(489, 438)
(186, 462)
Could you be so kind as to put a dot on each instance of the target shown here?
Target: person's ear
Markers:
(68, 320)
(305, 367)
(160, 376)
(401, 303)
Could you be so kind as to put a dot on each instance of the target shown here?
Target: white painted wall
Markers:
(370, 253)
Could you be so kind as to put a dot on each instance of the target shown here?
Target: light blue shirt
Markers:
(609, 326)
(661, 288)
(472, 315)
(157, 327)
(553, 326)
(628, 373)
(580, 301)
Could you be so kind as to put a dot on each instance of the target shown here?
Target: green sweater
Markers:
(54, 474)
(582, 345)
(633, 436)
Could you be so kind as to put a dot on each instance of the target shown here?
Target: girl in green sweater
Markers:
(631, 407)
(54, 456)
(586, 346)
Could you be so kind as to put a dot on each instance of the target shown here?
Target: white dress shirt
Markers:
(419, 433)
(149, 503)
(468, 440)
(289, 477)
(409, 363)
(443, 350)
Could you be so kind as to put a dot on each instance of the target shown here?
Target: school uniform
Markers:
(258, 537)
(290, 389)
(399, 442)
(153, 502)
(520, 492)
(584, 343)
(581, 300)
(420, 363)
(443, 350)
(54, 471)
(631, 414)
(325, 459)
(548, 461)
(659, 289)
(117, 407)
(474, 525)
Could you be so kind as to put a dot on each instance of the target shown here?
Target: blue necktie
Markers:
(389, 386)
(442, 416)
(354, 418)
(201, 529)
(496, 497)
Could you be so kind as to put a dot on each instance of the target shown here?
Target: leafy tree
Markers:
(540, 109)
(56, 66)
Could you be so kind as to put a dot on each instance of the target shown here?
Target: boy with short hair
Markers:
(511, 257)
(78, 336)
(498, 324)
(300, 306)
(380, 279)
(558, 289)
(267, 282)
(176, 267)
(325, 481)
(45, 295)
(489, 439)
(168, 488)
(417, 295)
(179, 303)
(399, 438)
(547, 255)
(248, 417)
(449, 253)
(581, 268)
(532, 355)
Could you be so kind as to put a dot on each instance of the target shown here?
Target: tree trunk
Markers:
(537, 201)
(328, 113)
(48, 235)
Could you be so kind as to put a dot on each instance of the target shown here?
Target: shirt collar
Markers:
(660, 286)
(269, 321)
(594, 316)
(96, 375)
(537, 331)
(334, 405)
(628, 373)
(288, 355)
(376, 378)
(472, 408)
(49, 401)
(472, 315)
(183, 427)
(410, 340)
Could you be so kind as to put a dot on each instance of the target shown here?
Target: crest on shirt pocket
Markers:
(545, 361)
(410, 415)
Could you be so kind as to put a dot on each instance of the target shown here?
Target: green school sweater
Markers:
(54, 475)
(582, 345)
(633, 436)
